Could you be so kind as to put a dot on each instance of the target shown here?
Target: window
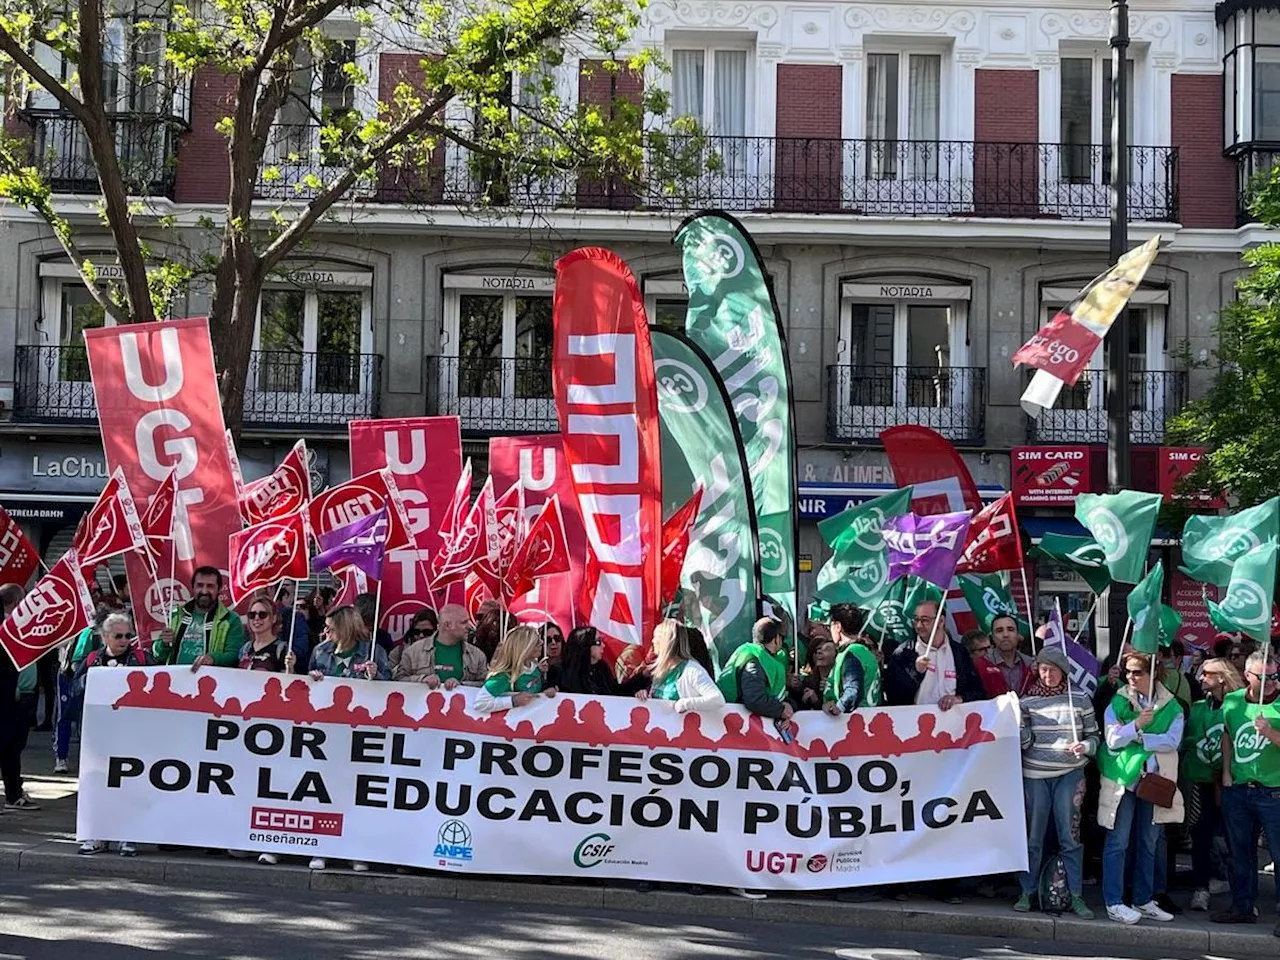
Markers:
(77, 312)
(904, 92)
(1084, 116)
(312, 340)
(320, 94)
(505, 345)
(710, 86)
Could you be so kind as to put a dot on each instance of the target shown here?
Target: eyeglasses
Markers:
(120, 636)
(925, 619)
(258, 614)
(1273, 677)
(416, 632)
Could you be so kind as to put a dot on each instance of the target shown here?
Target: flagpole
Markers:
(1071, 703)
(293, 618)
(377, 604)
(942, 607)
(1084, 623)
(1026, 596)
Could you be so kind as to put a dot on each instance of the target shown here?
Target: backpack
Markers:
(1055, 897)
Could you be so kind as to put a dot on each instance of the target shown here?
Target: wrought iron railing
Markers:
(283, 388)
(864, 400)
(1080, 413)
(146, 151)
(493, 395)
(936, 178)
(1253, 162)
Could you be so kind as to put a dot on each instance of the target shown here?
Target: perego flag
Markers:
(701, 449)
(733, 318)
(285, 490)
(1061, 349)
(112, 526)
(55, 609)
(607, 406)
(265, 554)
(18, 557)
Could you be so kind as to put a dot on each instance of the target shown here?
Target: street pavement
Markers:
(53, 902)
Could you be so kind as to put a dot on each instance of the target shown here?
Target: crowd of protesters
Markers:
(1114, 782)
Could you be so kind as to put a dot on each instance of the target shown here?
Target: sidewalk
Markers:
(43, 843)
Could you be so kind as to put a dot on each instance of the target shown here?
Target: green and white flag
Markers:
(858, 571)
(1212, 545)
(920, 590)
(1246, 606)
(988, 596)
(1122, 523)
(1144, 610)
(733, 318)
(1081, 555)
(888, 621)
(719, 581)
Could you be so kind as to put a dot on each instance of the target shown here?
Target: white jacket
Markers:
(698, 692)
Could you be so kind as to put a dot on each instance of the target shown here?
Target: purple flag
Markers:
(360, 544)
(926, 547)
(1084, 665)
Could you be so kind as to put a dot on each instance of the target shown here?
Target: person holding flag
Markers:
(933, 670)
(202, 632)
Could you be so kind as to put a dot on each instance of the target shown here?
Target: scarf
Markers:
(1039, 689)
(940, 679)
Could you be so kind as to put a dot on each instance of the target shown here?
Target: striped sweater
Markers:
(1046, 734)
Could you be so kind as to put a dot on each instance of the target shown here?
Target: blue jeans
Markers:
(1246, 811)
(1133, 815)
(69, 711)
(1060, 798)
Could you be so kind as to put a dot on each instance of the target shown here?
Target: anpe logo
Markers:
(592, 851)
(296, 821)
(817, 863)
(454, 842)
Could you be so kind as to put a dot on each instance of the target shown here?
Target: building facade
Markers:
(927, 183)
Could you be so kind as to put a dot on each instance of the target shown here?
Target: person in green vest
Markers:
(516, 675)
(1251, 779)
(855, 677)
(756, 674)
(1143, 727)
(1202, 769)
(202, 632)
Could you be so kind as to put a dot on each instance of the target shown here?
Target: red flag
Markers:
(455, 514)
(352, 581)
(607, 404)
(676, 530)
(993, 543)
(233, 461)
(476, 592)
(56, 609)
(543, 553)
(283, 491)
(470, 547)
(18, 557)
(157, 519)
(513, 527)
(926, 461)
(112, 526)
(359, 497)
(265, 554)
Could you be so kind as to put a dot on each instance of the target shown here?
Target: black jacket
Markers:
(753, 692)
(902, 680)
(597, 680)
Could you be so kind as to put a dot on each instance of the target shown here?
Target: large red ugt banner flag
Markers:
(158, 408)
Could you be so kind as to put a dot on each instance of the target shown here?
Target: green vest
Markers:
(1202, 743)
(1254, 759)
(669, 687)
(1125, 765)
(774, 671)
(870, 695)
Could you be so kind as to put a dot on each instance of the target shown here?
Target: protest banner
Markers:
(566, 786)
(159, 409)
(424, 457)
(538, 463)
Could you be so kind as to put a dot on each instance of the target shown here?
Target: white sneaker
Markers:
(359, 866)
(60, 766)
(1217, 886)
(90, 847)
(317, 863)
(1151, 911)
(127, 849)
(748, 894)
(269, 859)
(1200, 899)
(1122, 913)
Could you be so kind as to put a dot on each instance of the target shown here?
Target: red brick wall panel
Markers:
(808, 150)
(1206, 179)
(203, 173)
(598, 87)
(404, 184)
(1006, 128)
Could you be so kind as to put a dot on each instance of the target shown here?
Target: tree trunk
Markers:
(237, 287)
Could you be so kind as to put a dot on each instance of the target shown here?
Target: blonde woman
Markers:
(1202, 768)
(515, 675)
(347, 651)
(677, 675)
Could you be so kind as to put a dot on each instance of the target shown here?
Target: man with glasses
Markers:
(448, 658)
(933, 671)
(202, 632)
(1251, 779)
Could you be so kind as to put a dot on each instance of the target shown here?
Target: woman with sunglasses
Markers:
(583, 669)
(265, 649)
(1202, 769)
(424, 624)
(1143, 731)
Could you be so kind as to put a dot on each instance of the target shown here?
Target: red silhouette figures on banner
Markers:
(691, 736)
(341, 710)
(393, 714)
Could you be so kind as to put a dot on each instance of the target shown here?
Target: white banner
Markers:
(566, 786)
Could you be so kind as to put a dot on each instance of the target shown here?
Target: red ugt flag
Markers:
(993, 543)
(282, 492)
(18, 557)
(263, 555)
(112, 526)
(544, 552)
(56, 609)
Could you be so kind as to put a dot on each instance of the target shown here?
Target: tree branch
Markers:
(19, 54)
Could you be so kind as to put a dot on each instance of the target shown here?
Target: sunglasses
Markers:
(1272, 677)
(121, 636)
(419, 632)
(258, 614)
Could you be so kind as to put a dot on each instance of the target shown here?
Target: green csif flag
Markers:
(720, 579)
(1122, 523)
(988, 596)
(888, 622)
(1212, 545)
(1082, 555)
(1246, 606)
(1144, 610)
(858, 571)
(733, 318)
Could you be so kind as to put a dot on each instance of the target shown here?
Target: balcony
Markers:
(1080, 415)
(874, 178)
(493, 395)
(1252, 161)
(863, 401)
(283, 390)
(146, 148)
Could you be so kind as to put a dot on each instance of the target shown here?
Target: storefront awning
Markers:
(818, 501)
